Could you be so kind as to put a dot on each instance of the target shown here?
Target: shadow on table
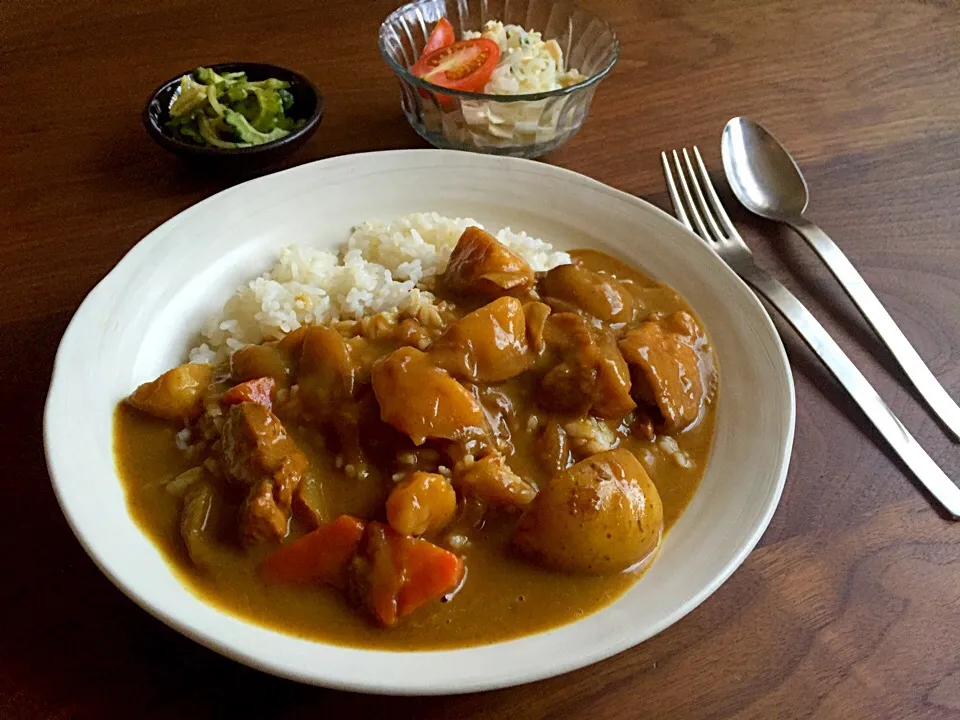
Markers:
(130, 161)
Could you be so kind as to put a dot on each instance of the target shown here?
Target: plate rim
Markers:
(382, 686)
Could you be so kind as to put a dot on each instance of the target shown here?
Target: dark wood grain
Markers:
(849, 608)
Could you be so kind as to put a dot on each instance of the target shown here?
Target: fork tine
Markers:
(701, 229)
(715, 203)
(674, 195)
(701, 200)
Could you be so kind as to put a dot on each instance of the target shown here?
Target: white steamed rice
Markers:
(377, 270)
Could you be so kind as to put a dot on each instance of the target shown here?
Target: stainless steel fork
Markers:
(700, 210)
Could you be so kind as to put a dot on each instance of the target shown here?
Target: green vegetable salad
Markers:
(229, 111)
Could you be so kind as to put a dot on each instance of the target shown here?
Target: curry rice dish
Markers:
(500, 460)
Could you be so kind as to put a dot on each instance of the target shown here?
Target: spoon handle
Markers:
(940, 487)
(885, 326)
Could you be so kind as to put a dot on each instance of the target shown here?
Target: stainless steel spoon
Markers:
(765, 178)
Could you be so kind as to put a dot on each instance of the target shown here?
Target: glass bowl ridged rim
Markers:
(403, 72)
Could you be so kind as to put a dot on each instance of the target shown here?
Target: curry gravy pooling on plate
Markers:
(496, 461)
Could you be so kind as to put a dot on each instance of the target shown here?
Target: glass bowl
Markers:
(519, 125)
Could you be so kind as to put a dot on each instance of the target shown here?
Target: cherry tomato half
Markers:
(466, 65)
(441, 36)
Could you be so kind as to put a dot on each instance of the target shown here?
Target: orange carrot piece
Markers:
(322, 555)
(259, 390)
(431, 573)
(404, 573)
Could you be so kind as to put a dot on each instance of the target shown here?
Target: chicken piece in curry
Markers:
(501, 462)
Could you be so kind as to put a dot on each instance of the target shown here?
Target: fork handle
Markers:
(885, 326)
(889, 426)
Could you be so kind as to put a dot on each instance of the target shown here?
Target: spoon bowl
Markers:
(761, 172)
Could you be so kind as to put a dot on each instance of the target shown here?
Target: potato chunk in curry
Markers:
(596, 294)
(602, 515)
(491, 480)
(421, 503)
(175, 395)
(424, 401)
(482, 265)
(488, 345)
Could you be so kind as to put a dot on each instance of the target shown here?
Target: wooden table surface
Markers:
(849, 607)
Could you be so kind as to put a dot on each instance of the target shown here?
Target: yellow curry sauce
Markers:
(503, 595)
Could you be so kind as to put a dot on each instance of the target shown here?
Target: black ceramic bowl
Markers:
(307, 105)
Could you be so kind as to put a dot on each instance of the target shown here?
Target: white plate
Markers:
(140, 319)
